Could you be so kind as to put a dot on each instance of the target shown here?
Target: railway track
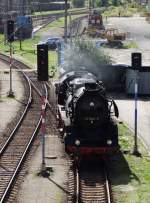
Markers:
(16, 148)
(89, 183)
(86, 184)
(39, 21)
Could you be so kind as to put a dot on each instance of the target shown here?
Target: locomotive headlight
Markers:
(92, 104)
(77, 142)
(60, 130)
(109, 142)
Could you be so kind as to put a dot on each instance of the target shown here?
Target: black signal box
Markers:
(42, 62)
(136, 61)
(10, 30)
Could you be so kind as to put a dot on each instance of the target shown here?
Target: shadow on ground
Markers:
(120, 172)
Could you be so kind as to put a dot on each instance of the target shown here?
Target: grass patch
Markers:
(148, 19)
(58, 11)
(28, 53)
(130, 174)
(124, 11)
(130, 45)
(60, 22)
(147, 36)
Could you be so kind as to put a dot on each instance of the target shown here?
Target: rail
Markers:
(20, 120)
(44, 20)
(91, 183)
(6, 145)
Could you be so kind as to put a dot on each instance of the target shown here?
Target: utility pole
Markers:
(90, 6)
(65, 30)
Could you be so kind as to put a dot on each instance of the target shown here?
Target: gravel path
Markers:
(139, 31)
(9, 107)
(37, 189)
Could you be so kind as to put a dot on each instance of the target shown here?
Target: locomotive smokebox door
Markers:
(136, 60)
(42, 62)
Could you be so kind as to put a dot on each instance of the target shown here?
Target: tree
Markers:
(116, 2)
(104, 3)
(78, 3)
(98, 3)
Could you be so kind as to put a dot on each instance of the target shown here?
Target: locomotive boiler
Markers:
(85, 115)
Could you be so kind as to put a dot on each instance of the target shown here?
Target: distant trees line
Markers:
(100, 3)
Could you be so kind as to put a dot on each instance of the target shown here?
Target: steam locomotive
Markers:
(85, 115)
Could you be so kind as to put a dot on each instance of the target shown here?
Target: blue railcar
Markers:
(24, 27)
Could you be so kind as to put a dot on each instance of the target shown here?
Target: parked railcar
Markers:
(24, 27)
(85, 115)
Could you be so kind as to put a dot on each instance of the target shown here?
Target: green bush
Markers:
(78, 3)
(114, 11)
(116, 2)
(98, 3)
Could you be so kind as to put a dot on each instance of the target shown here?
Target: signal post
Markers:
(10, 39)
(42, 76)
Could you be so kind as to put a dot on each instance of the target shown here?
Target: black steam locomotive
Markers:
(85, 115)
